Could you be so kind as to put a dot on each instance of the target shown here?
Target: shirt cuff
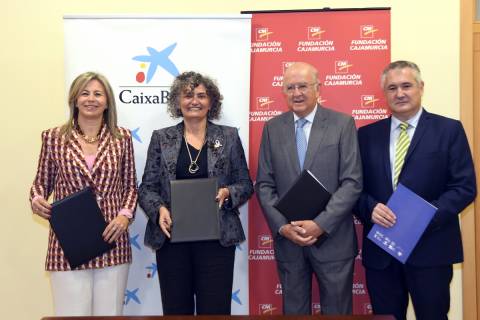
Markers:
(126, 212)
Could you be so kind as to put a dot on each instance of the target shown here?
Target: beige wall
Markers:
(32, 99)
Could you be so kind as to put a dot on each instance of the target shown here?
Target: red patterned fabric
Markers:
(62, 170)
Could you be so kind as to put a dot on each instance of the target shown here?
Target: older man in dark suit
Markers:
(323, 141)
(430, 155)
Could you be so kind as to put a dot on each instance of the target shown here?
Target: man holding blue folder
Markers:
(430, 155)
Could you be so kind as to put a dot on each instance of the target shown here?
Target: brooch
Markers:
(217, 144)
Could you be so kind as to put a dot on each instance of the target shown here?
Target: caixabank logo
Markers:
(155, 64)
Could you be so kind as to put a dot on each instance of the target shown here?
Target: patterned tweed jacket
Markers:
(62, 170)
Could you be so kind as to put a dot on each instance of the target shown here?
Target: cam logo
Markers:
(342, 66)
(263, 103)
(285, 65)
(367, 31)
(266, 308)
(262, 34)
(368, 101)
(367, 308)
(320, 100)
(265, 241)
(314, 33)
(316, 309)
(155, 59)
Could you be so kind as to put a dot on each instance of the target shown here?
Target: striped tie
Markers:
(301, 140)
(401, 148)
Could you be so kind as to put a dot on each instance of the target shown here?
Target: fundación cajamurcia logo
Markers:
(264, 249)
(315, 41)
(315, 33)
(367, 31)
(369, 109)
(343, 75)
(368, 101)
(342, 66)
(153, 63)
(369, 39)
(266, 309)
(263, 103)
(264, 43)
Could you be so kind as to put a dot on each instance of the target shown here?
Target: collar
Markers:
(309, 117)
(412, 122)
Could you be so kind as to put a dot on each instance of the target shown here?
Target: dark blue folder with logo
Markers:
(413, 216)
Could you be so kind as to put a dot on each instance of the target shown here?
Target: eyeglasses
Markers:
(302, 87)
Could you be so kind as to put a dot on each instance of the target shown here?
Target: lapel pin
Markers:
(217, 144)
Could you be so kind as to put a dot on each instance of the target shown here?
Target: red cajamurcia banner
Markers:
(350, 48)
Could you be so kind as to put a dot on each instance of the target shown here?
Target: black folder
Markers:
(78, 224)
(305, 199)
(194, 210)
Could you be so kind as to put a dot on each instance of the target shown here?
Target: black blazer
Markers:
(226, 160)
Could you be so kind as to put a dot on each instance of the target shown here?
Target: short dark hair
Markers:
(191, 80)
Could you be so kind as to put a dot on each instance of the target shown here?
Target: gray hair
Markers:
(401, 64)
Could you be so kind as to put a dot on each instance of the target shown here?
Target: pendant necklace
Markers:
(193, 167)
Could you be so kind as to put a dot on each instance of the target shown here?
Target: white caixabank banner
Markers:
(140, 56)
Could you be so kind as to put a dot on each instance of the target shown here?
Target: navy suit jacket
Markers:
(438, 167)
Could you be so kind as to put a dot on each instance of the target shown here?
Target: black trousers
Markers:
(429, 288)
(196, 277)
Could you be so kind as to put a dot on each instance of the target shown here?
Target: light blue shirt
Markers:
(395, 131)
(308, 126)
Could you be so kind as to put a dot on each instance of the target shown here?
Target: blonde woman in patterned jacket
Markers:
(89, 150)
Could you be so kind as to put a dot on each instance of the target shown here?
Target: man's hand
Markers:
(297, 235)
(311, 228)
(382, 215)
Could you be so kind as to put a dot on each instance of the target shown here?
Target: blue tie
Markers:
(301, 140)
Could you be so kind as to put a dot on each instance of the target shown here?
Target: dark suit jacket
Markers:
(333, 157)
(226, 160)
(438, 167)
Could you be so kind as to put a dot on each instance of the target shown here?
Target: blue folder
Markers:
(413, 216)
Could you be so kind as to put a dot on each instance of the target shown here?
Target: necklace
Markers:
(90, 139)
(193, 167)
(86, 138)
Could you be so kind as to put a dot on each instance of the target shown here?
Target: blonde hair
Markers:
(109, 115)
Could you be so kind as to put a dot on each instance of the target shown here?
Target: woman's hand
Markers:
(165, 221)
(222, 196)
(115, 228)
(41, 207)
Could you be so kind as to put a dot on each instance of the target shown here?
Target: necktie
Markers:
(403, 142)
(301, 140)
